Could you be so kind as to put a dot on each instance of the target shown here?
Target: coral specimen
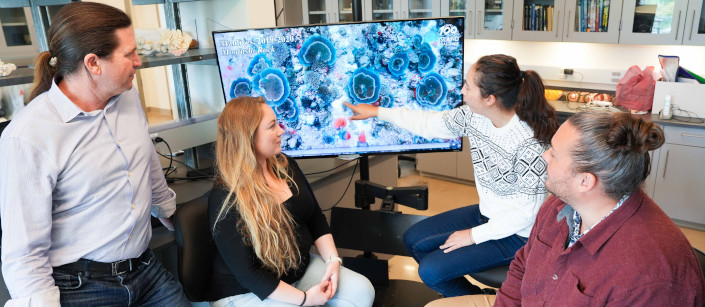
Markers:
(417, 40)
(364, 86)
(274, 85)
(259, 63)
(398, 63)
(427, 59)
(317, 49)
(240, 87)
(387, 101)
(432, 90)
(287, 111)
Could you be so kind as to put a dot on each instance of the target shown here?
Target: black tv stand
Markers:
(381, 231)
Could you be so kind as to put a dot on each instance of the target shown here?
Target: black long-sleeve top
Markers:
(236, 268)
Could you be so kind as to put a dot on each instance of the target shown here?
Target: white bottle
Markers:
(666, 112)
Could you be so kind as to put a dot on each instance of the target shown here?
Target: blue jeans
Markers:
(445, 272)
(149, 285)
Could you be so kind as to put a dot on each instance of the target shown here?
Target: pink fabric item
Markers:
(636, 89)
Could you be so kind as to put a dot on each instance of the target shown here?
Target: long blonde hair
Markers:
(264, 223)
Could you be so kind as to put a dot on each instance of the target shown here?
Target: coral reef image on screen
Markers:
(306, 73)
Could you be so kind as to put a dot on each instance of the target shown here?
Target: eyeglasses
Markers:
(465, 82)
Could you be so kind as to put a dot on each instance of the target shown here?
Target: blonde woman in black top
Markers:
(264, 218)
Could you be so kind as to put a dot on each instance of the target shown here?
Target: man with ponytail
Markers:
(509, 124)
(264, 218)
(599, 240)
(79, 175)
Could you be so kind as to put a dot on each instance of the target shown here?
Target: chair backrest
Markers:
(196, 248)
(701, 258)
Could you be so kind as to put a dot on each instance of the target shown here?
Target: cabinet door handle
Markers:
(567, 32)
(335, 17)
(665, 165)
(470, 22)
(555, 22)
(693, 135)
(692, 21)
(479, 21)
(678, 24)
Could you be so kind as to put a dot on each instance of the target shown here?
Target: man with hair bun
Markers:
(599, 240)
(79, 175)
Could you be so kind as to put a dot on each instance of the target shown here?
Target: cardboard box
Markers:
(686, 96)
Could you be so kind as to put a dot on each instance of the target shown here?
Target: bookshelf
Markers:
(593, 21)
(539, 20)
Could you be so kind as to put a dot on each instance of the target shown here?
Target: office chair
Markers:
(196, 248)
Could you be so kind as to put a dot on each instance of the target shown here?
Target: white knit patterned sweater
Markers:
(509, 170)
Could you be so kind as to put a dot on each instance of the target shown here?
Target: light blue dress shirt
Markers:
(76, 184)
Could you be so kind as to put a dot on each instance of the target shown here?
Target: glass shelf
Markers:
(193, 55)
(20, 76)
(25, 71)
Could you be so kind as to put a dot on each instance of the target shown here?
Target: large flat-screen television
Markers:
(306, 73)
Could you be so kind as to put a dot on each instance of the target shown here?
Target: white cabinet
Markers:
(319, 11)
(456, 165)
(680, 176)
(326, 11)
(17, 35)
(381, 9)
(400, 9)
(420, 8)
(655, 22)
(484, 19)
(694, 32)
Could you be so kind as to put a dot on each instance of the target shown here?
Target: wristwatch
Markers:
(334, 258)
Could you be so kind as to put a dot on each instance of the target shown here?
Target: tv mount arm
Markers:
(365, 193)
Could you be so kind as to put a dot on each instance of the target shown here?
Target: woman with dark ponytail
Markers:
(509, 124)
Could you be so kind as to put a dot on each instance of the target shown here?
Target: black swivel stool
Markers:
(493, 277)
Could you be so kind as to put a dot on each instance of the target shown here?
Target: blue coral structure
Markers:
(317, 49)
(259, 63)
(287, 111)
(274, 86)
(417, 40)
(387, 101)
(427, 59)
(398, 63)
(364, 86)
(240, 87)
(432, 90)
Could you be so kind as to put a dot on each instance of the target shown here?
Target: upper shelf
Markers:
(202, 56)
(193, 55)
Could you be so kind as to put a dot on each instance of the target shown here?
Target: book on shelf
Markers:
(545, 18)
(593, 15)
(605, 14)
